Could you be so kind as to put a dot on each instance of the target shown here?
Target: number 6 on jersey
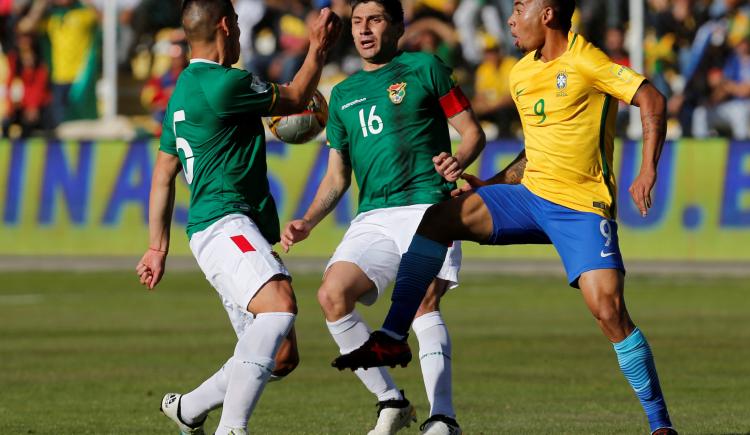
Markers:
(372, 119)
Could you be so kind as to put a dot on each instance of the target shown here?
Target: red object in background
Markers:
(34, 80)
(6, 7)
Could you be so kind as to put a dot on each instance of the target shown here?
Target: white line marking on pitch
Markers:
(20, 299)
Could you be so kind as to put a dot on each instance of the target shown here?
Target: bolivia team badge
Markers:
(397, 92)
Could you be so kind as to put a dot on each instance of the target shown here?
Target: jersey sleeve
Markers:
(440, 80)
(336, 136)
(167, 142)
(609, 77)
(240, 92)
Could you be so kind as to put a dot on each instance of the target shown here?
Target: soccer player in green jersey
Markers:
(388, 124)
(213, 131)
(565, 90)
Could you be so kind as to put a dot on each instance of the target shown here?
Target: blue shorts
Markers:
(585, 241)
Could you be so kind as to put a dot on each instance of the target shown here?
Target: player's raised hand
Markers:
(448, 166)
(640, 190)
(325, 29)
(295, 231)
(472, 182)
(151, 268)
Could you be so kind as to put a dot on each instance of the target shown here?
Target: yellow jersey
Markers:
(71, 33)
(568, 116)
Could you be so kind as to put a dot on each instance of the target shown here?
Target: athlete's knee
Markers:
(607, 314)
(333, 300)
(275, 296)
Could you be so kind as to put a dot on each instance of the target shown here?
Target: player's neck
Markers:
(205, 51)
(555, 45)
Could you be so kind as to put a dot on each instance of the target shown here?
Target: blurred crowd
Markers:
(697, 52)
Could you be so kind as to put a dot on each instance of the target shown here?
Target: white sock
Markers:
(435, 360)
(350, 332)
(195, 405)
(253, 363)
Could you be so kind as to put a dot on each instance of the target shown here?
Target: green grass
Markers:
(93, 353)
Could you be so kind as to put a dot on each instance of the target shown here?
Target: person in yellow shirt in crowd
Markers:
(492, 100)
(72, 28)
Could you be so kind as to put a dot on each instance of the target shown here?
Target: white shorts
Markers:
(237, 261)
(376, 240)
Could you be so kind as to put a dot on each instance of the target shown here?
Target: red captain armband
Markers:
(454, 102)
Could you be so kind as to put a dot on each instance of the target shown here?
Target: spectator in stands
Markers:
(249, 13)
(6, 24)
(614, 46)
(26, 88)
(72, 28)
(730, 98)
(492, 100)
(158, 90)
(280, 42)
(708, 52)
(434, 36)
(440, 9)
(472, 16)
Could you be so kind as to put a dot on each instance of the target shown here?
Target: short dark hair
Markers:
(199, 18)
(564, 10)
(393, 8)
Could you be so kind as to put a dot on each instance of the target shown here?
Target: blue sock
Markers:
(419, 266)
(637, 364)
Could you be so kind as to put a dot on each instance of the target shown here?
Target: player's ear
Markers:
(223, 26)
(548, 15)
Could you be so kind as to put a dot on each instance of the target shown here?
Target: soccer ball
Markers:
(301, 127)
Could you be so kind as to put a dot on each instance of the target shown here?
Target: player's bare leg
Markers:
(603, 290)
(287, 357)
(343, 285)
(462, 218)
(274, 307)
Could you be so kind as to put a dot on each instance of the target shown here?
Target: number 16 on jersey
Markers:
(372, 120)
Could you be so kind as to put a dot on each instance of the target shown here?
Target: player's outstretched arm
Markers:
(150, 268)
(324, 32)
(654, 121)
(337, 180)
(512, 174)
(472, 143)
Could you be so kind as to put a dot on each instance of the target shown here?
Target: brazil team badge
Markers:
(397, 92)
(562, 83)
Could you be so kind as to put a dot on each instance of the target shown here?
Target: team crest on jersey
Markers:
(561, 83)
(397, 92)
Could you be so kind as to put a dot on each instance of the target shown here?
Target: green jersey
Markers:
(213, 123)
(388, 124)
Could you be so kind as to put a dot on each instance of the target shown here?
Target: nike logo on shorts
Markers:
(607, 254)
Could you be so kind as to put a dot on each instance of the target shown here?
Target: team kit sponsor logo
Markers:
(397, 92)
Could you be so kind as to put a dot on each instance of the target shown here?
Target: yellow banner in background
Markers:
(91, 198)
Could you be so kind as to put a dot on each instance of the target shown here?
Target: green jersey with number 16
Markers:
(213, 123)
(389, 123)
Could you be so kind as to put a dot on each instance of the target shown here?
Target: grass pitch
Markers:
(93, 353)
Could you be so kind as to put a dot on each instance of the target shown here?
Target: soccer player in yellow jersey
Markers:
(565, 91)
